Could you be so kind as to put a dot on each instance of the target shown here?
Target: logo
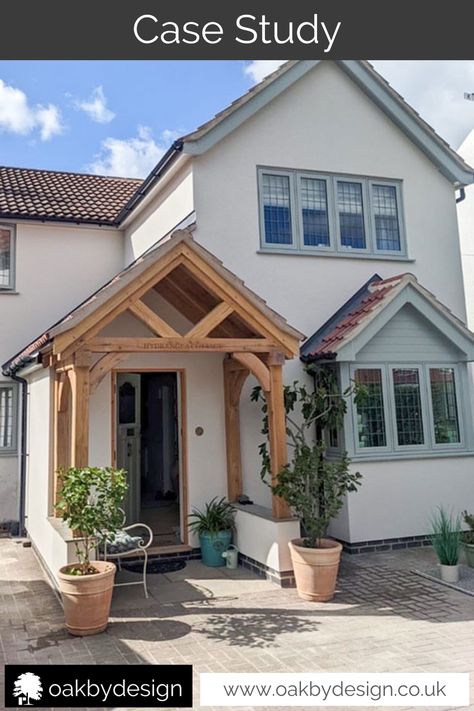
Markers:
(27, 688)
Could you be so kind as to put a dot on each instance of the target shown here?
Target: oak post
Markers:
(233, 384)
(277, 434)
(79, 379)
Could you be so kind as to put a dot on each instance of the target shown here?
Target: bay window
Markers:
(406, 408)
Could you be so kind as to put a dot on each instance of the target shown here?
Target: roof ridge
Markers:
(70, 172)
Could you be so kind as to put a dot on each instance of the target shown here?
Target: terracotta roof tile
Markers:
(73, 197)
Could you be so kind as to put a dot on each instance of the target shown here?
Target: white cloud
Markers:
(18, 116)
(131, 157)
(96, 106)
(435, 88)
(260, 68)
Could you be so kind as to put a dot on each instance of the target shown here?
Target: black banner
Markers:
(212, 29)
(98, 686)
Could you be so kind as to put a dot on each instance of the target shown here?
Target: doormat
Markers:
(465, 583)
(155, 566)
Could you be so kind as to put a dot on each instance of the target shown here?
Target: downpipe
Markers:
(24, 404)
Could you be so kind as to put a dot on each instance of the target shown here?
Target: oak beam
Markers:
(75, 337)
(178, 345)
(151, 319)
(277, 435)
(62, 431)
(102, 368)
(210, 321)
(233, 383)
(256, 367)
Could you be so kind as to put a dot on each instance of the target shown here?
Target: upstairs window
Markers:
(6, 258)
(277, 209)
(320, 213)
(351, 214)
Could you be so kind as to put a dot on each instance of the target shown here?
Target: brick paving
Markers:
(384, 618)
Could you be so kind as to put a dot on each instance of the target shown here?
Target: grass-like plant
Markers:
(446, 536)
(217, 516)
(468, 536)
(89, 503)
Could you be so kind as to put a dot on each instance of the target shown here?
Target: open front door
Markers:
(129, 439)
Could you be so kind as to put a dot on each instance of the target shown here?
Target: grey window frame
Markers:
(335, 248)
(11, 284)
(292, 194)
(13, 450)
(458, 381)
(429, 445)
(386, 410)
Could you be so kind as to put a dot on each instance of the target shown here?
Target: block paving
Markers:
(384, 618)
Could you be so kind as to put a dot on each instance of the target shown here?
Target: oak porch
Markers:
(220, 315)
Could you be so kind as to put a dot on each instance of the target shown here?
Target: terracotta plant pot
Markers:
(87, 598)
(316, 569)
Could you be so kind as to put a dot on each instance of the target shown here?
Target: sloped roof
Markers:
(76, 197)
(369, 80)
(126, 276)
(54, 195)
(360, 310)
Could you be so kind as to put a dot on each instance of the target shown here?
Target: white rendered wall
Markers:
(398, 498)
(51, 547)
(57, 266)
(466, 231)
(174, 202)
(325, 123)
(265, 540)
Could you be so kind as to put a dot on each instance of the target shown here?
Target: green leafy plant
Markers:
(89, 503)
(468, 536)
(313, 485)
(446, 536)
(218, 515)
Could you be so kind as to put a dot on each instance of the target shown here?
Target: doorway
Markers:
(148, 448)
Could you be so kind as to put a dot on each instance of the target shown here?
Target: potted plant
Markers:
(313, 485)
(446, 539)
(214, 527)
(467, 538)
(89, 503)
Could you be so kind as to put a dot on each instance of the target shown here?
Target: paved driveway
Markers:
(384, 618)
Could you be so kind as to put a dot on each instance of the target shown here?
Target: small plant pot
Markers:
(212, 547)
(449, 573)
(469, 553)
(87, 598)
(315, 569)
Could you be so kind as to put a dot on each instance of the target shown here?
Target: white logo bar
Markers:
(382, 689)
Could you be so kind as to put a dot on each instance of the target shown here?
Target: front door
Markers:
(148, 437)
(129, 439)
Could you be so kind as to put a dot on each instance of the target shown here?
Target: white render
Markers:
(325, 123)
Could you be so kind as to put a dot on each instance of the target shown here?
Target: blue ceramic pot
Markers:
(212, 547)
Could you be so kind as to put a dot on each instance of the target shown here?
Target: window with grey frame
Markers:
(311, 212)
(8, 418)
(420, 402)
(7, 257)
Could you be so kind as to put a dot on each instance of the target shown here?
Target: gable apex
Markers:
(368, 80)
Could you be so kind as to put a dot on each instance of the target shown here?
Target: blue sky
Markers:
(117, 117)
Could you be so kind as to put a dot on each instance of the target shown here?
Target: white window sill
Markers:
(335, 255)
(8, 292)
(392, 456)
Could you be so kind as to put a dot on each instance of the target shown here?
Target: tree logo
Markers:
(27, 687)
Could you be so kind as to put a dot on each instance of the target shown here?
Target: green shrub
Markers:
(218, 515)
(89, 503)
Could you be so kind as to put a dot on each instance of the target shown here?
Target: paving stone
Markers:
(384, 618)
